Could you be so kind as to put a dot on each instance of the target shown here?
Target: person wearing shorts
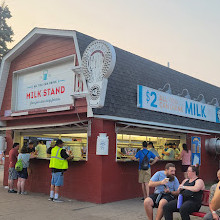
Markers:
(57, 179)
(59, 165)
(166, 188)
(145, 175)
(23, 175)
(12, 173)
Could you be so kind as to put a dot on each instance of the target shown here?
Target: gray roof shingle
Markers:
(132, 70)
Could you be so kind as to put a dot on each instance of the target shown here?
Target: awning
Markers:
(25, 127)
(129, 127)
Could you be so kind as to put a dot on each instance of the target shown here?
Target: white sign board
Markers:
(154, 100)
(98, 63)
(102, 144)
(45, 88)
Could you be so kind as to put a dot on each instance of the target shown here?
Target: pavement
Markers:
(35, 206)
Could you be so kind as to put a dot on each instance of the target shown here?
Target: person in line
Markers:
(185, 156)
(166, 185)
(41, 150)
(151, 148)
(2, 152)
(25, 156)
(213, 215)
(192, 191)
(215, 202)
(169, 154)
(12, 173)
(59, 165)
(145, 175)
(1, 157)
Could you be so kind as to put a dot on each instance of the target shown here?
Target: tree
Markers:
(6, 32)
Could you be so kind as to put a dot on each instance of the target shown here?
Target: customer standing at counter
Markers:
(185, 156)
(23, 175)
(59, 165)
(145, 175)
(12, 173)
(166, 187)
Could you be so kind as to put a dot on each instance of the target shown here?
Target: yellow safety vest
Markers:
(56, 160)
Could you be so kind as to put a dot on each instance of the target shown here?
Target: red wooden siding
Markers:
(45, 49)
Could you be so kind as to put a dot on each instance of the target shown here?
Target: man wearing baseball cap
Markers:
(59, 165)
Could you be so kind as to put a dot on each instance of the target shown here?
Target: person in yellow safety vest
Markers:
(59, 165)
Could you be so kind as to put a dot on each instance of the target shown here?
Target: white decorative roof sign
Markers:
(98, 63)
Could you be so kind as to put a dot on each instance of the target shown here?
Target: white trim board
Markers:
(163, 126)
(21, 127)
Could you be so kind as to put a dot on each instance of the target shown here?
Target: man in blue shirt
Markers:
(145, 175)
(166, 185)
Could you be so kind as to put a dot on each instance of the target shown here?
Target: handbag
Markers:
(187, 194)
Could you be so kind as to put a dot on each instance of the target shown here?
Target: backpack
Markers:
(19, 165)
(145, 162)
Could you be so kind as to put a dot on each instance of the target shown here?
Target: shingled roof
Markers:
(132, 70)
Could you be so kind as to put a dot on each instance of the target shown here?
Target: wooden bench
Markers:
(205, 202)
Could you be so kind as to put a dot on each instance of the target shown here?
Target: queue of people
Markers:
(58, 164)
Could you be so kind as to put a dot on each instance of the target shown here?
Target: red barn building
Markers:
(46, 93)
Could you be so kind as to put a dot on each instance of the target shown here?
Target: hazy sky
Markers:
(184, 32)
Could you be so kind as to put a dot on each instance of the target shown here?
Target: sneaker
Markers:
(50, 199)
(12, 191)
(143, 199)
(18, 192)
(24, 193)
(58, 200)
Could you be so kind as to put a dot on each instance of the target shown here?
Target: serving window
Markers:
(129, 142)
(74, 137)
(75, 144)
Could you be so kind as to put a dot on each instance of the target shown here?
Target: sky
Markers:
(185, 33)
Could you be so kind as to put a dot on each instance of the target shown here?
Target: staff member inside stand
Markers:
(59, 165)
(169, 154)
(41, 149)
(31, 148)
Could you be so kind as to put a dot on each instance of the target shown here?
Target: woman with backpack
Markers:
(24, 156)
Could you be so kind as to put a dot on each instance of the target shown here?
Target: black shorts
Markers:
(184, 168)
(23, 174)
(168, 197)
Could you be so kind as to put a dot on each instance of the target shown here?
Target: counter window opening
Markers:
(75, 144)
(129, 144)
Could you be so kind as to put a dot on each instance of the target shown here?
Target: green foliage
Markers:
(6, 32)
